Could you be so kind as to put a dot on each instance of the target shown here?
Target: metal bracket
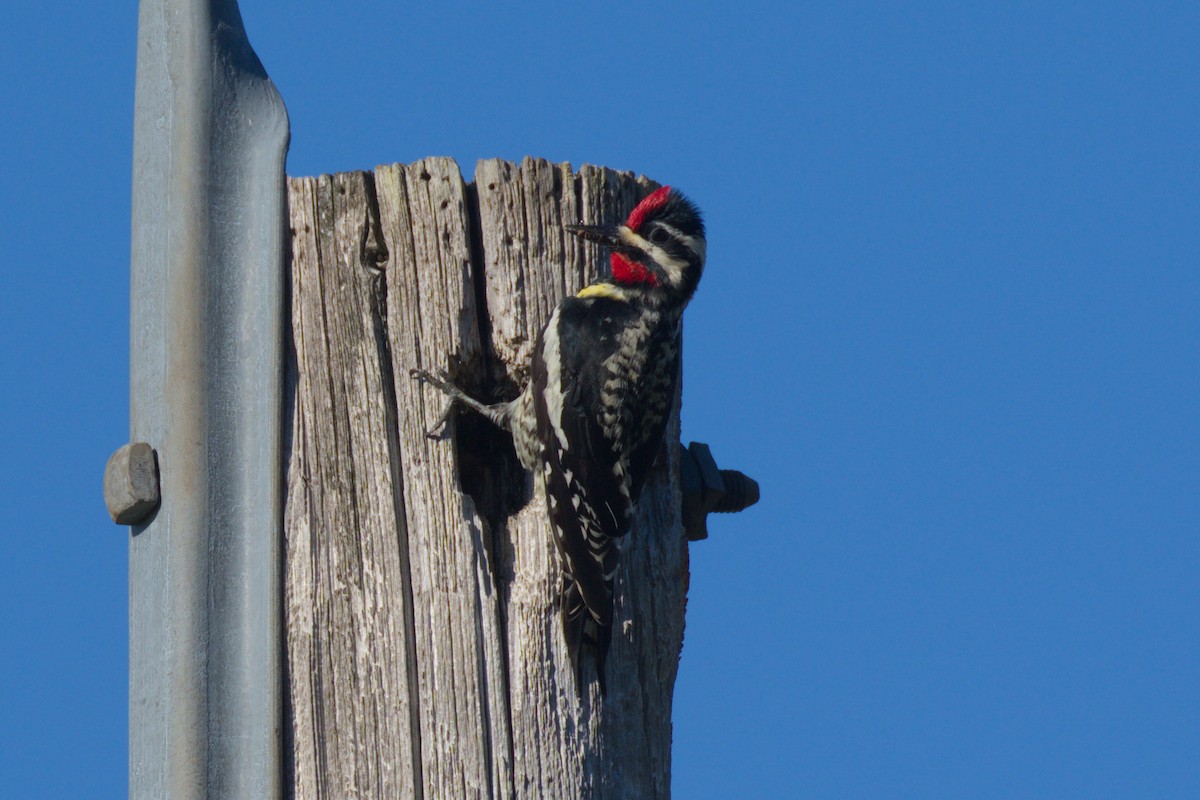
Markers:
(208, 299)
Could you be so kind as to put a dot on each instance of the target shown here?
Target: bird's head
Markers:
(660, 248)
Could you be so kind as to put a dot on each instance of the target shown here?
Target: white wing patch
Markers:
(554, 388)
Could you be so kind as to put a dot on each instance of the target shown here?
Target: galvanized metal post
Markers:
(207, 306)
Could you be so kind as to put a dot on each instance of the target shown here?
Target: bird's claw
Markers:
(441, 428)
(441, 381)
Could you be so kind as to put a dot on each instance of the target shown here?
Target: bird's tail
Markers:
(582, 630)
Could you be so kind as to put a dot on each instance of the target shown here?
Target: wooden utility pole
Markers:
(424, 648)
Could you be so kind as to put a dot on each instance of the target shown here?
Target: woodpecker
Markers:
(602, 382)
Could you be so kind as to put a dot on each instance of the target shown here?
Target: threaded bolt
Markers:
(741, 492)
(707, 489)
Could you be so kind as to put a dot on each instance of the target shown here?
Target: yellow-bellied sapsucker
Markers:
(602, 383)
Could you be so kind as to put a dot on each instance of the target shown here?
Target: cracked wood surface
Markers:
(425, 651)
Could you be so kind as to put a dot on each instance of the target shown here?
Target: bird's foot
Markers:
(441, 382)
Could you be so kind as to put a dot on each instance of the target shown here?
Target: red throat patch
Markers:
(630, 272)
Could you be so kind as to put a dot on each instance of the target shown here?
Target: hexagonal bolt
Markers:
(707, 489)
(131, 483)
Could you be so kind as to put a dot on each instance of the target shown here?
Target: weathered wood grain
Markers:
(349, 625)
(425, 646)
(432, 324)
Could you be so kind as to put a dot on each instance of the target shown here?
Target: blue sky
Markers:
(950, 323)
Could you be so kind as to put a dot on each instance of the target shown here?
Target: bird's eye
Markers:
(658, 236)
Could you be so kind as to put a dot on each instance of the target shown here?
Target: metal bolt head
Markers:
(707, 488)
(692, 488)
(131, 483)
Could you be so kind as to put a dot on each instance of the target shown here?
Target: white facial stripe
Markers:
(673, 266)
(697, 245)
(631, 238)
(694, 243)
